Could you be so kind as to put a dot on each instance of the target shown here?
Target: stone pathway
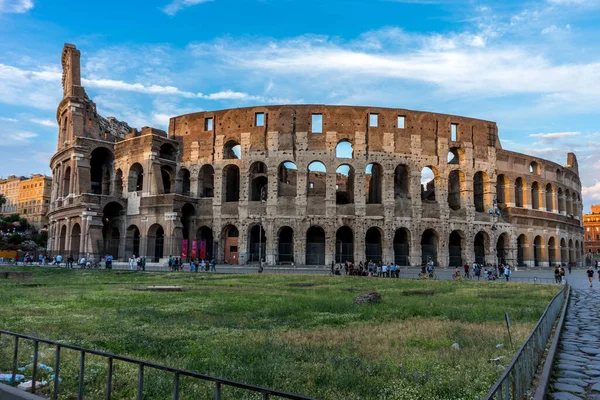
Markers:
(577, 366)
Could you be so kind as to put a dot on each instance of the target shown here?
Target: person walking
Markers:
(590, 274)
(466, 268)
(131, 260)
(570, 267)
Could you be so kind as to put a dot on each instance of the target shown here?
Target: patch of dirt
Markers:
(368, 298)
(496, 295)
(419, 293)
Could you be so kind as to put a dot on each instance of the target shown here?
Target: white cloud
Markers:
(15, 6)
(44, 122)
(591, 193)
(553, 29)
(6, 119)
(552, 137)
(177, 5)
(12, 138)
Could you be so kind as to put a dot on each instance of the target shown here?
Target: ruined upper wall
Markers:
(348, 122)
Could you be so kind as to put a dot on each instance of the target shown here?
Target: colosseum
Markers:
(306, 185)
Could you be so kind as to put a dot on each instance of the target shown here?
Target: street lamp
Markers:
(263, 198)
(495, 213)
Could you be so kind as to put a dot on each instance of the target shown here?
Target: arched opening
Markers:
(549, 198)
(479, 246)
(206, 181)
(401, 182)
(344, 184)
(373, 245)
(344, 149)
(167, 177)
(316, 182)
(258, 244)
(569, 202)
(188, 216)
(232, 150)
(67, 182)
(168, 152)
(258, 182)
(62, 241)
(427, 184)
(519, 192)
(231, 183)
(571, 252)
(63, 131)
(537, 251)
(455, 249)
(111, 221)
(156, 241)
(101, 169)
(184, 182)
(502, 248)
(344, 245)
(502, 195)
(552, 252)
(118, 186)
(453, 156)
(535, 196)
(481, 192)
(287, 178)
(534, 168)
(561, 202)
(132, 241)
(230, 251)
(401, 247)
(135, 179)
(522, 250)
(456, 181)
(315, 246)
(429, 246)
(564, 251)
(75, 240)
(373, 182)
(285, 247)
(204, 244)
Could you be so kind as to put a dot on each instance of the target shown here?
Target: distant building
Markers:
(34, 200)
(9, 187)
(591, 224)
(28, 197)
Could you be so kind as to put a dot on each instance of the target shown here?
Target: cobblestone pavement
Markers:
(577, 366)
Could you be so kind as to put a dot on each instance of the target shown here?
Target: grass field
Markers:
(299, 334)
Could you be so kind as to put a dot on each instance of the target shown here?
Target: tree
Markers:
(2, 200)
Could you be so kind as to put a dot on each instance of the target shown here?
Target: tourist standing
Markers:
(507, 273)
(466, 268)
(590, 274)
(131, 261)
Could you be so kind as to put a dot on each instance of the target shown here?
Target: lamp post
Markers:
(263, 197)
(494, 212)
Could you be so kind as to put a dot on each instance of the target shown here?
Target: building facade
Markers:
(306, 184)
(10, 187)
(34, 200)
(591, 224)
(28, 197)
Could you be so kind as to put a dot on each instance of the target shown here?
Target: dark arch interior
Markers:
(168, 152)
(373, 245)
(206, 181)
(204, 235)
(132, 243)
(258, 244)
(286, 245)
(429, 246)
(455, 249)
(401, 247)
(111, 219)
(231, 183)
(315, 246)
(479, 247)
(344, 245)
(101, 166)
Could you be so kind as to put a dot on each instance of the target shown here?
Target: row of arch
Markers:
(549, 199)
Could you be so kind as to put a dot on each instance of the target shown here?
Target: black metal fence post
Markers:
(56, 372)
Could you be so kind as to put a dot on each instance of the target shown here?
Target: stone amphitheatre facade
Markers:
(306, 184)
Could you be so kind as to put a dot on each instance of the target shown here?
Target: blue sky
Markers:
(533, 67)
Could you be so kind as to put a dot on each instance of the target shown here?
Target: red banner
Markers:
(194, 249)
(184, 248)
(203, 249)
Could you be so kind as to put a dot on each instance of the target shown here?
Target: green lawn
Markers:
(299, 334)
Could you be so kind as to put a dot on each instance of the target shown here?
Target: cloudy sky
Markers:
(531, 66)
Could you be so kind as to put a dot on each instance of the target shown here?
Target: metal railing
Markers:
(518, 376)
(142, 366)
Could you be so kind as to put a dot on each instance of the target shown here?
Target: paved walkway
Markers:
(577, 367)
